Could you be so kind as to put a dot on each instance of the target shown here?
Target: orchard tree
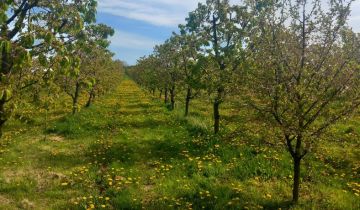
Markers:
(106, 75)
(155, 72)
(222, 29)
(304, 77)
(168, 55)
(35, 29)
(100, 65)
(147, 73)
(79, 73)
(191, 64)
(111, 76)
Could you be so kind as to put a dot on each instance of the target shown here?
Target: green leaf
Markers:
(43, 60)
(48, 37)
(6, 94)
(6, 47)
(65, 62)
(27, 40)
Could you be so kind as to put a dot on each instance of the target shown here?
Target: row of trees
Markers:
(296, 62)
(46, 44)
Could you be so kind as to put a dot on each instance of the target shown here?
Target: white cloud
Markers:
(123, 39)
(173, 12)
(168, 13)
(156, 12)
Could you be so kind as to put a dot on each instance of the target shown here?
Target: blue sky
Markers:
(141, 24)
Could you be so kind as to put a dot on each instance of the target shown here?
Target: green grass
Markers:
(129, 152)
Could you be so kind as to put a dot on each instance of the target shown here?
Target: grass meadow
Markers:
(128, 151)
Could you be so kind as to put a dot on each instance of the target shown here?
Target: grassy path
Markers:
(129, 152)
(125, 131)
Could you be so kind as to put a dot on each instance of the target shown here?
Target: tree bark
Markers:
(297, 155)
(296, 186)
(216, 117)
(172, 97)
(91, 98)
(3, 117)
(166, 96)
(6, 63)
(187, 101)
(217, 102)
(76, 98)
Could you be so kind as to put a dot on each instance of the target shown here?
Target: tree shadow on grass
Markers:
(270, 205)
(141, 105)
(131, 153)
(119, 152)
(61, 160)
(139, 112)
(165, 150)
(144, 124)
(232, 118)
(217, 198)
(72, 127)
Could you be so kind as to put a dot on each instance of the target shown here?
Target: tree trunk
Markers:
(6, 62)
(297, 155)
(166, 96)
(76, 98)
(161, 92)
(296, 186)
(2, 122)
(216, 117)
(187, 101)
(91, 98)
(3, 117)
(217, 103)
(172, 97)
